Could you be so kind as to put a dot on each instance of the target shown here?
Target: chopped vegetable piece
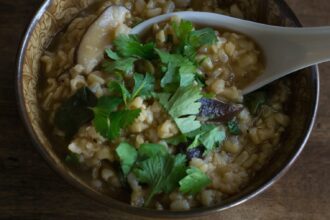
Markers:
(194, 182)
(183, 106)
(127, 155)
(218, 111)
(255, 100)
(233, 127)
(75, 112)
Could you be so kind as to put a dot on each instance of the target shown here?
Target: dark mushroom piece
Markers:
(213, 110)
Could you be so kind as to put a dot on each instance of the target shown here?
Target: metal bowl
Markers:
(55, 14)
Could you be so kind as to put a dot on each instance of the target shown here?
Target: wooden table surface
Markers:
(29, 189)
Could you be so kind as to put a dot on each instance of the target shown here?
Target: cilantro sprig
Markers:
(143, 86)
(183, 107)
(128, 50)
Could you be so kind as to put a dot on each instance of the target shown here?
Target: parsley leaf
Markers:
(233, 127)
(102, 112)
(130, 46)
(194, 182)
(127, 155)
(183, 106)
(121, 119)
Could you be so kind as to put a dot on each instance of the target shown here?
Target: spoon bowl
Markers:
(285, 49)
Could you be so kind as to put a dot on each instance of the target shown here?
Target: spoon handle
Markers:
(289, 49)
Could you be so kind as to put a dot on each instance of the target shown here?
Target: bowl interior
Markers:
(55, 15)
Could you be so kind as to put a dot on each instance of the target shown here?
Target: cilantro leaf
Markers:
(102, 112)
(212, 139)
(127, 155)
(190, 39)
(179, 71)
(233, 127)
(154, 172)
(144, 85)
(178, 172)
(111, 54)
(208, 135)
(125, 65)
(194, 182)
(121, 119)
(202, 37)
(151, 150)
(130, 46)
(120, 89)
(161, 173)
(183, 106)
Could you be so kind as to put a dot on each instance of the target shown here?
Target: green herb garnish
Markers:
(75, 112)
(233, 127)
(209, 136)
(161, 173)
(194, 182)
(183, 106)
(127, 156)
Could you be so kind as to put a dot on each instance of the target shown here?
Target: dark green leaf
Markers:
(75, 112)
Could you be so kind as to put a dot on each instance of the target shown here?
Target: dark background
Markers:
(29, 189)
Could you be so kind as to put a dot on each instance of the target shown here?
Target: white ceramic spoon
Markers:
(285, 49)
